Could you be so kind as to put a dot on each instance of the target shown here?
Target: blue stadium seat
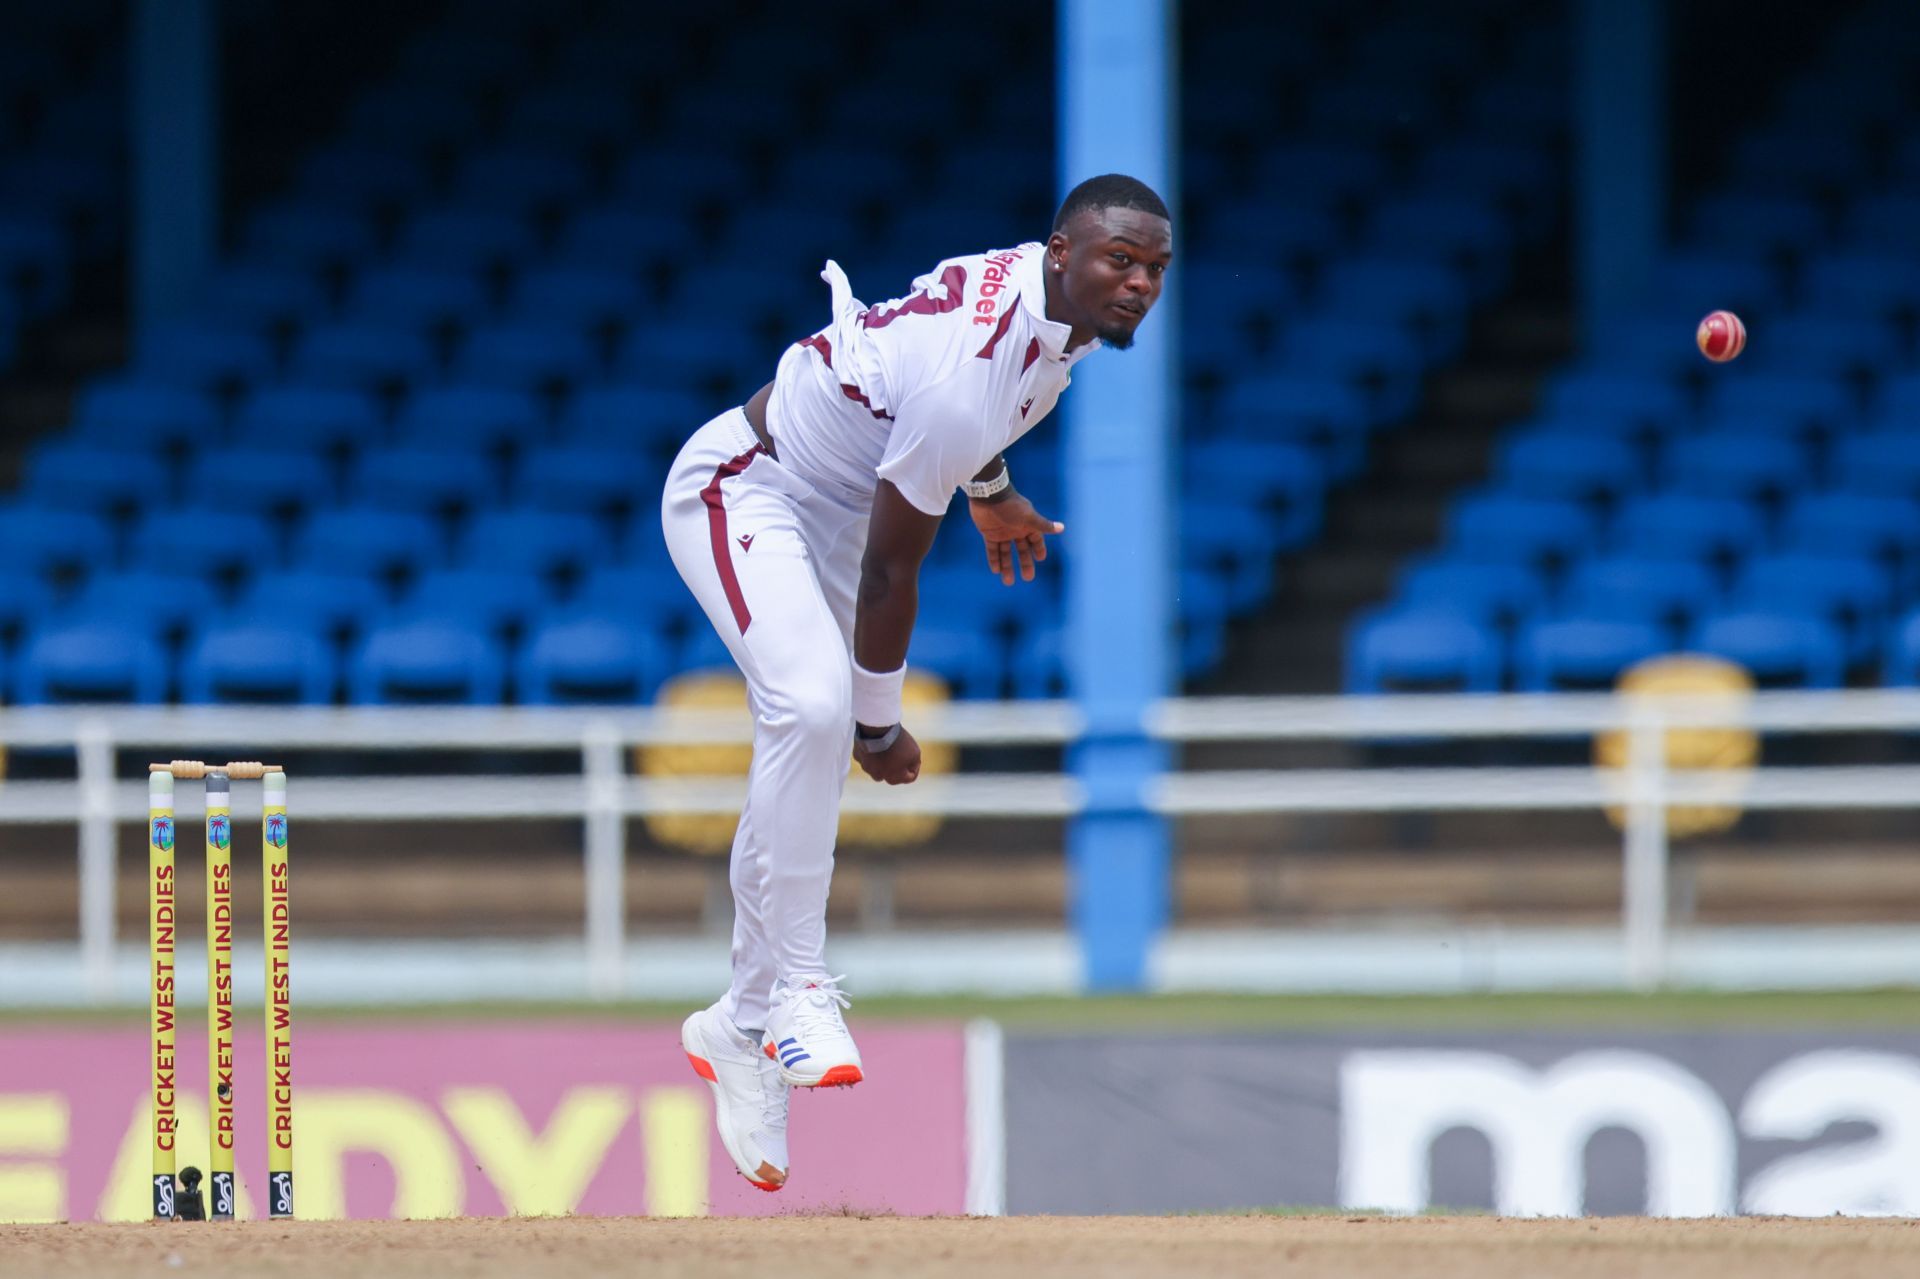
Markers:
(364, 173)
(1492, 594)
(650, 596)
(330, 603)
(1850, 593)
(90, 661)
(625, 238)
(679, 176)
(1797, 156)
(1650, 343)
(1285, 482)
(1378, 359)
(1888, 222)
(1858, 524)
(1902, 662)
(595, 480)
(1465, 232)
(1827, 344)
(420, 117)
(204, 539)
(1735, 464)
(1769, 224)
(521, 179)
(363, 355)
(486, 418)
(1882, 463)
(1503, 528)
(1286, 232)
(145, 416)
(465, 238)
(533, 541)
(855, 171)
(302, 417)
(1897, 402)
(577, 297)
(164, 601)
(1334, 170)
(495, 600)
(1661, 525)
(687, 355)
(1523, 178)
(369, 541)
(303, 234)
(1583, 653)
(259, 481)
(575, 112)
(1563, 463)
(1672, 592)
(1638, 402)
(427, 662)
(34, 263)
(969, 658)
(66, 472)
(41, 540)
(1817, 405)
(527, 357)
(262, 295)
(1371, 114)
(626, 416)
(24, 598)
(1233, 541)
(419, 296)
(1236, 292)
(589, 660)
(205, 357)
(434, 481)
(968, 596)
(259, 663)
(703, 650)
(1780, 649)
(1422, 650)
(1309, 408)
(1877, 284)
(1424, 296)
(1691, 283)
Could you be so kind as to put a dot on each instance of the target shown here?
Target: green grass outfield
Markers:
(1897, 1009)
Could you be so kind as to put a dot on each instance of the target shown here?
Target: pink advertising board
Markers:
(443, 1119)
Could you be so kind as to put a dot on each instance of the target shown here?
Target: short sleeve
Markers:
(937, 443)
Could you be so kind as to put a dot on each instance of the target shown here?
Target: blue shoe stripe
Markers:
(786, 1043)
(795, 1059)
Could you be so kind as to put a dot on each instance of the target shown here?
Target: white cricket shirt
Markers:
(924, 390)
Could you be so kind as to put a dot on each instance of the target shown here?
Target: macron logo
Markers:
(1026, 406)
(746, 541)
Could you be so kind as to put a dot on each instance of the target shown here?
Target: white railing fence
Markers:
(603, 793)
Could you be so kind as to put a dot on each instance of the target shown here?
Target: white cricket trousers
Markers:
(776, 565)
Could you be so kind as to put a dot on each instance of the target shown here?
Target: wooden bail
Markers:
(239, 770)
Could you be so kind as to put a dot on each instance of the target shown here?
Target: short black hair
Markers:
(1110, 191)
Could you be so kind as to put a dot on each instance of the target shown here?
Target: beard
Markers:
(1116, 337)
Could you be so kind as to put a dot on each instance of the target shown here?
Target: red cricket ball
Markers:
(1721, 336)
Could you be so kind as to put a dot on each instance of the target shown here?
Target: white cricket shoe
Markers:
(807, 1036)
(749, 1097)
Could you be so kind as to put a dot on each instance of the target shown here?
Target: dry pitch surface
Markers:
(835, 1247)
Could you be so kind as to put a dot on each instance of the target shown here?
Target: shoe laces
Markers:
(817, 1002)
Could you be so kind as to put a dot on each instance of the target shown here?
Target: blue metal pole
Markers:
(174, 105)
(1118, 89)
(1620, 123)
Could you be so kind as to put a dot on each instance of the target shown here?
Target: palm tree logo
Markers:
(163, 834)
(217, 833)
(277, 829)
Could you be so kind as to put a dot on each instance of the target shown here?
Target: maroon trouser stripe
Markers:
(717, 526)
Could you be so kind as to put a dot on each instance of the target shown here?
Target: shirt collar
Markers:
(1030, 273)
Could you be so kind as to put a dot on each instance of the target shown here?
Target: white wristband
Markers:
(876, 696)
(978, 490)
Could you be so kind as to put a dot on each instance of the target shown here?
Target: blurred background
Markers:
(343, 349)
